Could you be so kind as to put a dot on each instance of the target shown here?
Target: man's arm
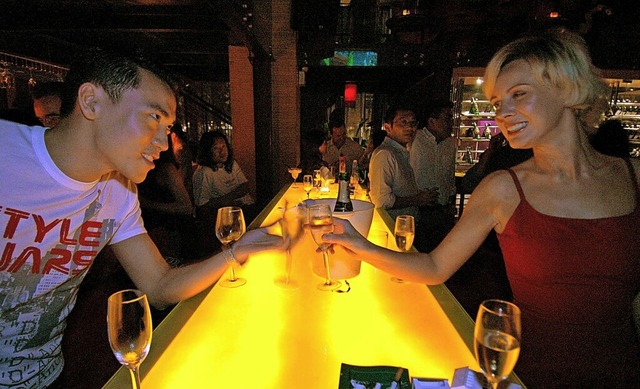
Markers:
(164, 285)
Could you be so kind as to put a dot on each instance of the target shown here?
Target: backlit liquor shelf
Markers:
(261, 335)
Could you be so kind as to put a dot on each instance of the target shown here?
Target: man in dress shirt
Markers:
(433, 157)
(392, 183)
(341, 145)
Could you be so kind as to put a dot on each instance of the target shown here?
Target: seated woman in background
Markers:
(165, 200)
(218, 182)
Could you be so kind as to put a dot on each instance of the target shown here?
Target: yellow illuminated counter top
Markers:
(263, 336)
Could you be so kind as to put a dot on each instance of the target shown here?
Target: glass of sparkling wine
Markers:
(404, 232)
(230, 226)
(129, 329)
(320, 223)
(307, 183)
(497, 339)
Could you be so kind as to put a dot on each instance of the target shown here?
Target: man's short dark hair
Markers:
(336, 119)
(393, 110)
(433, 108)
(113, 72)
(42, 89)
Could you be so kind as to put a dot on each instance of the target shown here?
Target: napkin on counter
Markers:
(429, 383)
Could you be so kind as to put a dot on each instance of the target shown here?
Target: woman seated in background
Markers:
(165, 200)
(218, 182)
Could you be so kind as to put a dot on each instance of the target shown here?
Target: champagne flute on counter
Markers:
(320, 223)
(292, 224)
(404, 232)
(497, 339)
(307, 183)
(230, 226)
(129, 329)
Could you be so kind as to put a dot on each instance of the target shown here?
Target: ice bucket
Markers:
(341, 264)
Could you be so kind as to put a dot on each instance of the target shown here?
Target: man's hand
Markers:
(428, 197)
(258, 240)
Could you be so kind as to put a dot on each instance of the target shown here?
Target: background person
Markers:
(340, 144)
(47, 102)
(392, 185)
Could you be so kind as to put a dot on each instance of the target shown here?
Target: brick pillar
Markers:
(242, 112)
(285, 94)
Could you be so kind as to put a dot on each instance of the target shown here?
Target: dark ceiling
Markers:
(191, 37)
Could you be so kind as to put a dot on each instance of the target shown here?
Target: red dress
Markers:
(574, 280)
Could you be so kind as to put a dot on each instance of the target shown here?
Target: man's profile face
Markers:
(131, 133)
(47, 110)
(338, 136)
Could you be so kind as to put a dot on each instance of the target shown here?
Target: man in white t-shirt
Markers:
(67, 192)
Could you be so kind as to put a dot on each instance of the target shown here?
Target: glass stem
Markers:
(135, 377)
(325, 258)
(288, 267)
(232, 276)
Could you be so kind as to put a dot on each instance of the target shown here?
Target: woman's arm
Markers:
(482, 214)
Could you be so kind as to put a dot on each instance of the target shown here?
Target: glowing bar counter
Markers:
(263, 336)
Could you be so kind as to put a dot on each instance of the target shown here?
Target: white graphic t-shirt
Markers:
(51, 229)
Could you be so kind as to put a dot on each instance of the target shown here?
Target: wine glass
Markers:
(320, 223)
(497, 339)
(307, 183)
(292, 224)
(294, 171)
(129, 328)
(229, 228)
(404, 231)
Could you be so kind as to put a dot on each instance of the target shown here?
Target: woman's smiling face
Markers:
(526, 109)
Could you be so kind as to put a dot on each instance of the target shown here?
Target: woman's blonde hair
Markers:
(558, 58)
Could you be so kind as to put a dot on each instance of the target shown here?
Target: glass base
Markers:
(330, 286)
(398, 280)
(285, 283)
(229, 283)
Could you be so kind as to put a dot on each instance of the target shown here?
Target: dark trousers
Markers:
(434, 224)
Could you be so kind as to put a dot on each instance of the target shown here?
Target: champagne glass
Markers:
(129, 328)
(295, 172)
(307, 183)
(292, 224)
(497, 339)
(229, 228)
(404, 231)
(320, 223)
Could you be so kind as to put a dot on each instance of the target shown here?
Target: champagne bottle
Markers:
(476, 131)
(343, 202)
(474, 107)
(487, 131)
(355, 177)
